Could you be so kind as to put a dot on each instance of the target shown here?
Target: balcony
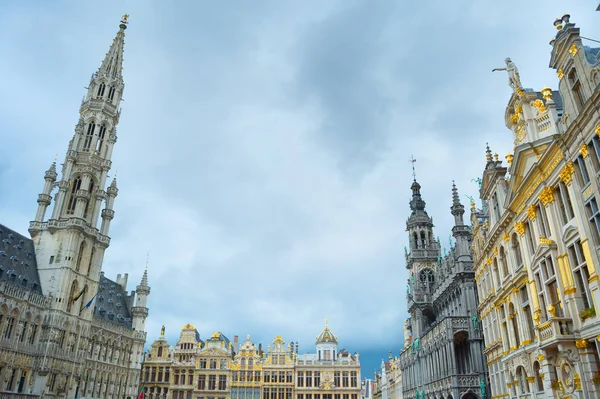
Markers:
(555, 330)
(71, 223)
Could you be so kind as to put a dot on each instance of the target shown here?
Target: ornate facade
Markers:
(66, 330)
(443, 342)
(218, 369)
(536, 238)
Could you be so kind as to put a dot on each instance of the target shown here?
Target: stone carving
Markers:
(514, 80)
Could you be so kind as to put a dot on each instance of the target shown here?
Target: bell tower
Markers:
(69, 245)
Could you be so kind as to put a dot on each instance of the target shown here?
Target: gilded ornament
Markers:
(573, 50)
(514, 118)
(531, 212)
(570, 291)
(577, 382)
(521, 132)
(536, 317)
(597, 129)
(496, 251)
(583, 150)
(518, 109)
(531, 379)
(546, 196)
(545, 241)
(509, 158)
(547, 94)
(520, 228)
(560, 73)
(552, 310)
(541, 357)
(539, 105)
(496, 157)
(506, 237)
(520, 92)
(566, 174)
(581, 344)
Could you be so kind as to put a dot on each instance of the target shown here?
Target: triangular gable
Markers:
(523, 162)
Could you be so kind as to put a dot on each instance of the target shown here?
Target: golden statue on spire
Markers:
(125, 18)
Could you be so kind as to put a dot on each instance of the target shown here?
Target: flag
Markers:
(142, 393)
(76, 297)
(87, 305)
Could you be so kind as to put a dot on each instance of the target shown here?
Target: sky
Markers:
(263, 147)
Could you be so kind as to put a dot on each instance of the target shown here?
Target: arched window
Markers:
(100, 141)
(72, 295)
(503, 262)
(242, 362)
(517, 251)
(522, 378)
(427, 279)
(111, 93)
(91, 264)
(250, 363)
(415, 241)
(89, 135)
(538, 380)
(576, 89)
(80, 256)
(513, 316)
(160, 351)
(83, 301)
(76, 185)
(496, 274)
(87, 204)
(423, 240)
(101, 89)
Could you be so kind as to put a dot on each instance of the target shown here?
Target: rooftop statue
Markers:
(514, 80)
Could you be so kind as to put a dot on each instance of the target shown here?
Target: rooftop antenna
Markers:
(413, 160)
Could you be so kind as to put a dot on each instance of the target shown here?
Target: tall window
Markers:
(527, 313)
(101, 89)
(201, 382)
(91, 264)
(496, 206)
(222, 382)
(100, 142)
(33, 332)
(580, 270)
(542, 220)
(551, 293)
(576, 89)
(517, 251)
(593, 213)
(503, 262)
(300, 378)
(582, 172)
(212, 382)
(595, 152)
(76, 185)
(89, 135)
(111, 93)
(564, 203)
(353, 379)
(529, 237)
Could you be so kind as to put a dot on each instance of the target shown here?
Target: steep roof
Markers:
(17, 260)
(111, 303)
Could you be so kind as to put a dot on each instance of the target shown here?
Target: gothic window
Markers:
(111, 93)
(76, 185)
(100, 141)
(87, 204)
(89, 135)
(91, 264)
(593, 213)
(73, 291)
(415, 240)
(580, 270)
(576, 89)
(33, 333)
(516, 247)
(427, 279)
(564, 203)
(101, 89)
(423, 240)
(80, 256)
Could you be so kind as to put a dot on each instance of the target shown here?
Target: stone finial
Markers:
(488, 153)
(455, 199)
(558, 24)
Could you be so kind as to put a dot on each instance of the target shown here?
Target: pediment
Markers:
(525, 160)
(569, 233)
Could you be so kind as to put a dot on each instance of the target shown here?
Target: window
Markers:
(529, 237)
(517, 251)
(101, 89)
(580, 269)
(111, 93)
(503, 262)
(582, 172)
(538, 379)
(336, 379)
(550, 289)
(496, 207)
(345, 381)
(212, 382)
(542, 220)
(222, 382)
(89, 136)
(595, 152)
(76, 185)
(309, 379)
(317, 379)
(527, 313)
(100, 141)
(564, 203)
(213, 363)
(51, 260)
(593, 213)
(578, 97)
(33, 333)
(80, 256)
(201, 382)
(300, 379)
(353, 379)
(10, 323)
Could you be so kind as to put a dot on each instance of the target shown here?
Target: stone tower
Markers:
(421, 262)
(69, 245)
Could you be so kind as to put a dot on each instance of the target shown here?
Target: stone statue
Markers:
(162, 331)
(514, 80)
(478, 181)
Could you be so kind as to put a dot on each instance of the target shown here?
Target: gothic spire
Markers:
(112, 65)
(457, 209)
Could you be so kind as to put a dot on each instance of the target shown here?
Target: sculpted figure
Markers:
(514, 80)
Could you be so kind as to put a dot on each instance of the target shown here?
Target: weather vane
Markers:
(413, 160)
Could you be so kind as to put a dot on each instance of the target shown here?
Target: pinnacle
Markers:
(455, 198)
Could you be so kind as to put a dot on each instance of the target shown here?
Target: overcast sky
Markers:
(263, 152)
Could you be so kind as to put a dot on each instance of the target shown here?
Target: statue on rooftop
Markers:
(514, 80)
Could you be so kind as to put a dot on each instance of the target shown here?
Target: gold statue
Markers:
(125, 18)
(162, 331)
